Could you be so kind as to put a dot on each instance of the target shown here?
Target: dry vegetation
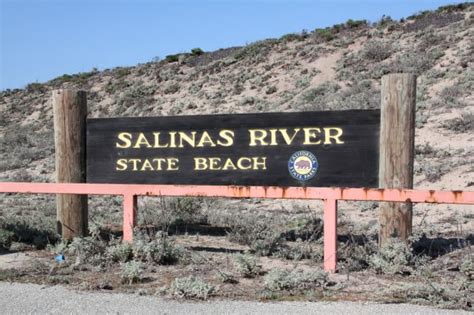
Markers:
(254, 249)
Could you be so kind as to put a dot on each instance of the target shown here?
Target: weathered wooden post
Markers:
(70, 111)
(397, 141)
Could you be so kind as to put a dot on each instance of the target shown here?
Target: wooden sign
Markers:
(330, 148)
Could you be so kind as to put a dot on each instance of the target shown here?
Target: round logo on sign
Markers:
(303, 165)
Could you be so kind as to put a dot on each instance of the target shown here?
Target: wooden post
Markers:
(70, 111)
(397, 142)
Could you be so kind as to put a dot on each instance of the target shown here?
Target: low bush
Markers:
(6, 238)
(377, 50)
(131, 272)
(191, 287)
(158, 249)
(285, 280)
(171, 88)
(356, 23)
(197, 51)
(357, 256)
(467, 267)
(302, 250)
(394, 257)
(172, 58)
(120, 252)
(462, 124)
(430, 293)
(36, 230)
(247, 266)
(89, 250)
(325, 33)
(262, 238)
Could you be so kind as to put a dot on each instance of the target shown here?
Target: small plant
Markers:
(59, 248)
(377, 50)
(171, 88)
(6, 238)
(356, 257)
(121, 252)
(258, 234)
(467, 267)
(172, 58)
(356, 23)
(132, 272)
(433, 172)
(191, 287)
(271, 90)
(433, 293)
(394, 257)
(302, 250)
(247, 266)
(281, 279)
(462, 124)
(324, 33)
(36, 88)
(197, 51)
(226, 277)
(158, 249)
(88, 250)
(37, 230)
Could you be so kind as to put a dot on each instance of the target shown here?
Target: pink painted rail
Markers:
(329, 195)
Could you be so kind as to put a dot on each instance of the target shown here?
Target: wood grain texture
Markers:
(70, 111)
(352, 164)
(397, 140)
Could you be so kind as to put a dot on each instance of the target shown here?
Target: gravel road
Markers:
(17, 298)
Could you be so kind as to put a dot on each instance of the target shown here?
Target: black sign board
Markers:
(330, 148)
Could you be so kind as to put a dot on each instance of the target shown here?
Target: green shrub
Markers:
(356, 257)
(197, 51)
(376, 50)
(463, 124)
(36, 230)
(433, 294)
(292, 37)
(132, 272)
(89, 250)
(281, 279)
(324, 33)
(259, 235)
(314, 95)
(36, 88)
(301, 250)
(256, 51)
(247, 266)
(122, 72)
(394, 257)
(433, 172)
(171, 88)
(467, 267)
(226, 277)
(356, 23)
(191, 287)
(271, 90)
(172, 58)
(158, 249)
(6, 238)
(305, 228)
(120, 252)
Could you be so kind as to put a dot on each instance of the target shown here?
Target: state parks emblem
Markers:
(303, 165)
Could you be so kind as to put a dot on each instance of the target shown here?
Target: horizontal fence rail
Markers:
(329, 195)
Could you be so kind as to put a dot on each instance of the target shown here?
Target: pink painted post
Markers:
(330, 234)
(129, 216)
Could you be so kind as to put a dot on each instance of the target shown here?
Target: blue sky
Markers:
(43, 39)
